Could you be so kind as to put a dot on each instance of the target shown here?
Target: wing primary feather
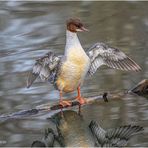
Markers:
(115, 65)
(112, 57)
(130, 131)
(120, 131)
(116, 137)
(45, 67)
(125, 129)
(118, 66)
(134, 130)
(129, 67)
(109, 64)
(124, 65)
(135, 66)
(112, 64)
(97, 132)
(121, 65)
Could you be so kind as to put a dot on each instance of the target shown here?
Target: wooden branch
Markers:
(140, 89)
(104, 97)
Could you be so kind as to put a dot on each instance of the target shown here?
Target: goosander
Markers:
(115, 137)
(68, 72)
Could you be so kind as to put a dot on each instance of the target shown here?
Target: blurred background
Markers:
(28, 30)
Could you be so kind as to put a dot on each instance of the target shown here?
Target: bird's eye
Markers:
(78, 26)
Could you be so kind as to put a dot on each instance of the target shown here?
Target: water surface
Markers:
(31, 29)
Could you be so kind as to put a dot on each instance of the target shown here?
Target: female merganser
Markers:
(67, 72)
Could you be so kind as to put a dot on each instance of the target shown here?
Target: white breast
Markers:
(75, 66)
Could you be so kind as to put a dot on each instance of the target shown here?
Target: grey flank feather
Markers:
(101, 54)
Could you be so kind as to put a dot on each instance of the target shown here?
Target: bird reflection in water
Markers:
(73, 131)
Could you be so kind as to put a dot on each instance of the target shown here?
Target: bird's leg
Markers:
(80, 99)
(64, 102)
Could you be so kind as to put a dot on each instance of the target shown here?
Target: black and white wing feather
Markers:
(101, 54)
(45, 67)
(117, 137)
(98, 133)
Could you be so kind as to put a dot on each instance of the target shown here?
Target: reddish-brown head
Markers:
(75, 25)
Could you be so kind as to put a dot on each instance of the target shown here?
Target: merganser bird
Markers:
(115, 137)
(68, 72)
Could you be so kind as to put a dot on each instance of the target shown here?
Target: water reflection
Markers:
(30, 29)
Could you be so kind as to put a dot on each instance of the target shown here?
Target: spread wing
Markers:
(45, 67)
(116, 137)
(119, 136)
(98, 133)
(101, 54)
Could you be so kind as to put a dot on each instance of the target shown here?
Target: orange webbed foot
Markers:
(81, 100)
(65, 103)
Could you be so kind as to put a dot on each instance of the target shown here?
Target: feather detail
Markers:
(116, 137)
(101, 54)
(44, 68)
